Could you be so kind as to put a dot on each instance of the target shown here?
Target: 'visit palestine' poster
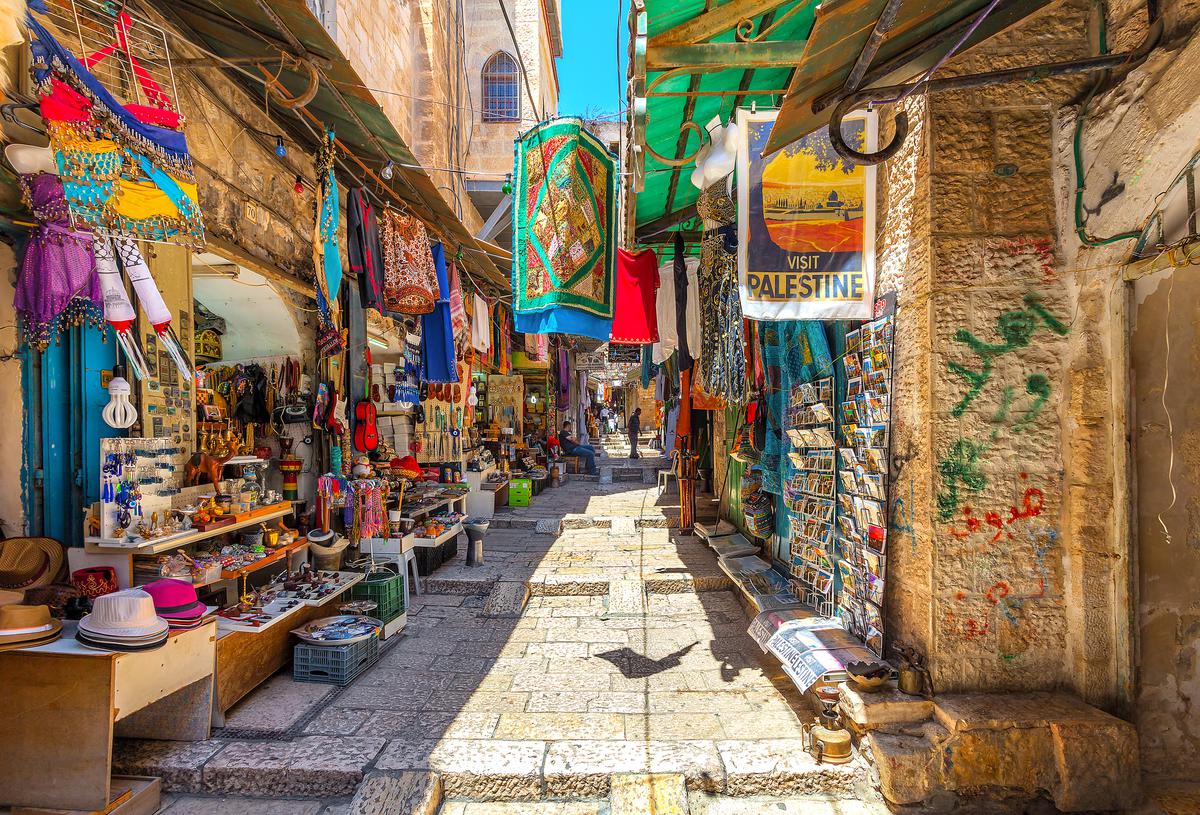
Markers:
(806, 224)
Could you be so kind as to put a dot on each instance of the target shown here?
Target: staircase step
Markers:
(642, 793)
(402, 793)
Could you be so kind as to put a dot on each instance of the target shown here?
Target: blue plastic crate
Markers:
(333, 664)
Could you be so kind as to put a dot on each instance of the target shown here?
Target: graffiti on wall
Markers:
(999, 538)
(1016, 328)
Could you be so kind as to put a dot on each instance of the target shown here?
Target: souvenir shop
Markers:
(268, 467)
(774, 368)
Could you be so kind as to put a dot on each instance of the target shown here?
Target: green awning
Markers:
(718, 91)
(257, 33)
(742, 52)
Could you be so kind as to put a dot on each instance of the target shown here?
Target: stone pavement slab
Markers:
(611, 649)
(311, 766)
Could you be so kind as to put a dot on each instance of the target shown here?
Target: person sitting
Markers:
(571, 447)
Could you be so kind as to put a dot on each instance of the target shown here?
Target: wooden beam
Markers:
(662, 224)
(716, 21)
(772, 54)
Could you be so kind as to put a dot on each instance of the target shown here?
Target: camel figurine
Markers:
(204, 464)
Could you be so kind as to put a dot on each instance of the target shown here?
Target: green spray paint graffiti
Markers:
(1015, 329)
(960, 468)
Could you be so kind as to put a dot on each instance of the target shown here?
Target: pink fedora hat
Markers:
(174, 599)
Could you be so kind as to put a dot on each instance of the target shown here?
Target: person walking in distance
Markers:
(605, 424)
(635, 427)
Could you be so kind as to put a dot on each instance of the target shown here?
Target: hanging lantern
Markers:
(299, 186)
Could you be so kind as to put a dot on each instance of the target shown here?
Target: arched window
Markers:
(501, 101)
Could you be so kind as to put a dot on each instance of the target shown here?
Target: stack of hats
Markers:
(122, 621)
(176, 602)
(24, 626)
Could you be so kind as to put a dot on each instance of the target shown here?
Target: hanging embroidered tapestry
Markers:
(125, 169)
(564, 231)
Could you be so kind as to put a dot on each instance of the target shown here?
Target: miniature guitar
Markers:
(366, 431)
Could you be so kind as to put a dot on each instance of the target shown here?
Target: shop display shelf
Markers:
(430, 543)
(279, 554)
(160, 545)
(333, 664)
(347, 579)
(386, 546)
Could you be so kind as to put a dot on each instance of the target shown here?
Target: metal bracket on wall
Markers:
(851, 98)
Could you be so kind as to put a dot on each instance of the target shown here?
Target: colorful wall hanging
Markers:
(327, 259)
(806, 224)
(410, 281)
(125, 169)
(564, 231)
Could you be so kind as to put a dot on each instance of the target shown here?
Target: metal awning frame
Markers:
(853, 98)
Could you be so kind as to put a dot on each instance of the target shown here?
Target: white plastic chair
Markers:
(664, 476)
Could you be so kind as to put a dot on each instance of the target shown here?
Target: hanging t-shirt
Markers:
(664, 307)
(481, 325)
(635, 320)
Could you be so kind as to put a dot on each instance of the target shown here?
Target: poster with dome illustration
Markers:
(806, 224)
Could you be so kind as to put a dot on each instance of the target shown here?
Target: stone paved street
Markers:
(603, 665)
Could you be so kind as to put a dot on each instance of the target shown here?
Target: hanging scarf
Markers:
(122, 171)
(564, 379)
(501, 355)
(410, 283)
(458, 312)
(327, 259)
(58, 286)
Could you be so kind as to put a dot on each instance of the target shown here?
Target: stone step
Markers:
(642, 793)
(1018, 744)
(532, 770)
(402, 793)
(507, 599)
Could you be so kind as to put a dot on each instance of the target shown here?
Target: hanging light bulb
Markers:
(533, 398)
(280, 149)
(388, 171)
(473, 397)
(119, 413)
(299, 186)
(506, 188)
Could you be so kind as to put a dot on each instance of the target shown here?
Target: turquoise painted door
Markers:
(64, 397)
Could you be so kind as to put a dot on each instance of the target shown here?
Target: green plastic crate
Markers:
(520, 490)
(387, 592)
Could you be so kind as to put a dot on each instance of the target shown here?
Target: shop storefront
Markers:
(256, 420)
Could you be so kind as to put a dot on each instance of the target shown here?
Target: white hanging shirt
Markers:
(664, 307)
(481, 325)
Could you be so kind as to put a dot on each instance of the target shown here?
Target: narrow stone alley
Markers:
(598, 662)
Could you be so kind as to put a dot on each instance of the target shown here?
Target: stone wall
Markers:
(1139, 134)
(429, 81)
(982, 575)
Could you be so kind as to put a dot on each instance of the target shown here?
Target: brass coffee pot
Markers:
(826, 738)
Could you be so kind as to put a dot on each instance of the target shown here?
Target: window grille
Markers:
(501, 99)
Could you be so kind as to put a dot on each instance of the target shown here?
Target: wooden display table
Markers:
(246, 659)
(63, 703)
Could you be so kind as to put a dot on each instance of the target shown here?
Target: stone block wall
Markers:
(982, 575)
(1139, 133)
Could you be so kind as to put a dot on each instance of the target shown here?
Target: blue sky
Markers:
(588, 70)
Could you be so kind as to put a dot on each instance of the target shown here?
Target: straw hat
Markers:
(122, 621)
(29, 562)
(9, 597)
(26, 626)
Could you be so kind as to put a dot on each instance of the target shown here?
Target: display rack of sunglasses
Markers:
(809, 493)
